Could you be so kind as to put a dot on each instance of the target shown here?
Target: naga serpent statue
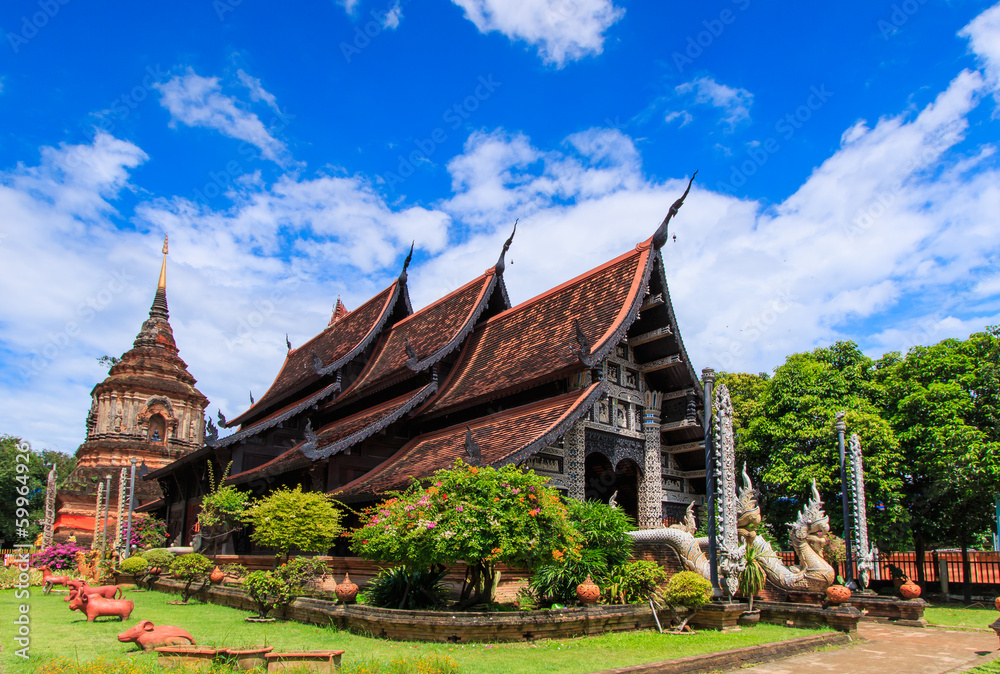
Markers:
(808, 536)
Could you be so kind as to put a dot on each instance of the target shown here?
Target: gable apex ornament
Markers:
(660, 237)
(501, 264)
(406, 263)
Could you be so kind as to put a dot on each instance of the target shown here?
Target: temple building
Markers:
(588, 384)
(148, 408)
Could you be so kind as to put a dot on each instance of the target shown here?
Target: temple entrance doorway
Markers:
(601, 481)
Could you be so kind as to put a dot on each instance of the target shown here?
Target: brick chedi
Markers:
(147, 408)
(588, 383)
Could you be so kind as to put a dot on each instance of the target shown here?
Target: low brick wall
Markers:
(361, 570)
(459, 627)
(908, 612)
(841, 618)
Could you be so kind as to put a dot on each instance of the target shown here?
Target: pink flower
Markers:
(459, 509)
(431, 525)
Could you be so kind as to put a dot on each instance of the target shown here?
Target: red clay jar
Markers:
(217, 576)
(587, 592)
(996, 603)
(909, 590)
(838, 594)
(347, 591)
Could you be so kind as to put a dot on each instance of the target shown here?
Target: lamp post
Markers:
(708, 379)
(848, 557)
(131, 505)
(107, 502)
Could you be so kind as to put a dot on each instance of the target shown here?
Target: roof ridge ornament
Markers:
(222, 419)
(472, 450)
(406, 263)
(501, 264)
(288, 343)
(317, 363)
(251, 398)
(411, 354)
(660, 237)
(311, 437)
(583, 345)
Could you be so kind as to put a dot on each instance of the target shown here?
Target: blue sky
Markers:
(847, 184)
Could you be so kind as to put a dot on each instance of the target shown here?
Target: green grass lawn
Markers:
(56, 631)
(959, 615)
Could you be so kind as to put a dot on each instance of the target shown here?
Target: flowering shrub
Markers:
(148, 531)
(482, 516)
(56, 557)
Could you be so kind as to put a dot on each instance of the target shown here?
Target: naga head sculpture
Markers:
(748, 511)
(813, 525)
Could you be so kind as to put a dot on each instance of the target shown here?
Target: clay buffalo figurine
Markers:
(49, 580)
(147, 636)
(94, 606)
(106, 591)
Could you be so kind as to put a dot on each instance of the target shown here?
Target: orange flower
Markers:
(474, 470)
(557, 555)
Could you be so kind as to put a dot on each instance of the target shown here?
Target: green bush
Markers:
(159, 558)
(634, 582)
(402, 588)
(267, 590)
(606, 545)
(687, 589)
(299, 571)
(10, 577)
(191, 568)
(134, 565)
(290, 518)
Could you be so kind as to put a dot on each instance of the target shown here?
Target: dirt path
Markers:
(888, 649)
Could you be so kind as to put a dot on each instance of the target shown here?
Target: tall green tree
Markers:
(785, 426)
(27, 482)
(943, 403)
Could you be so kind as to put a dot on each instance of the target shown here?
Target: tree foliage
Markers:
(929, 427)
(288, 519)
(25, 479)
(482, 516)
(785, 426)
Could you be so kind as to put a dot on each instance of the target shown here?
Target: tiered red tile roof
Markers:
(340, 341)
(339, 435)
(431, 333)
(510, 436)
(534, 342)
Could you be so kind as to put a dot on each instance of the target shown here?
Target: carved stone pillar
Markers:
(651, 488)
(576, 455)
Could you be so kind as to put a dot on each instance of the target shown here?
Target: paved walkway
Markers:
(887, 649)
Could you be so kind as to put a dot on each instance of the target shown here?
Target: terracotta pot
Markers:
(154, 571)
(587, 592)
(346, 591)
(909, 590)
(217, 576)
(838, 594)
(996, 603)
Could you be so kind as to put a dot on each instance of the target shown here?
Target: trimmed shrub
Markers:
(634, 582)
(191, 568)
(134, 565)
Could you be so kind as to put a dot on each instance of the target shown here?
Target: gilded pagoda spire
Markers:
(159, 308)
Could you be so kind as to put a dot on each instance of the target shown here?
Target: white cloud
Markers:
(198, 101)
(561, 30)
(350, 6)
(257, 92)
(392, 17)
(734, 103)
(983, 34)
(683, 115)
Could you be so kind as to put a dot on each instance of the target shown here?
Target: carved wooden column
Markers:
(651, 488)
(576, 455)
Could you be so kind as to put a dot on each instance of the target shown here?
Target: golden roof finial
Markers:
(163, 267)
